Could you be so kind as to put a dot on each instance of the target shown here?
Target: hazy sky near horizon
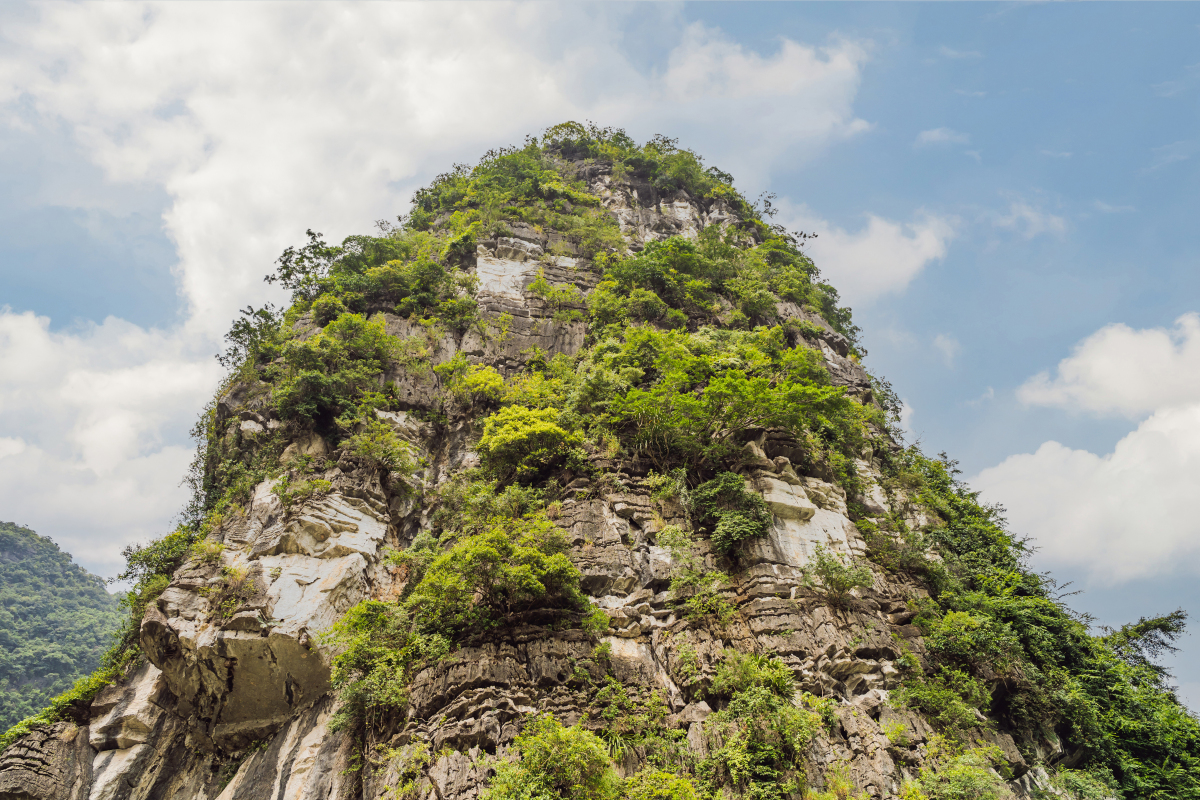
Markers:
(1006, 194)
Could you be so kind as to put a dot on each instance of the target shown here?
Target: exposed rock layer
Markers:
(239, 706)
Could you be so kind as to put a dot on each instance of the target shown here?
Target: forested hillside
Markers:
(56, 621)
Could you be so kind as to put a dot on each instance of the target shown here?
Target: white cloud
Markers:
(1130, 513)
(970, 92)
(254, 144)
(259, 120)
(102, 415)
(948, 346)
(1120, 370)
(936, 136)
(1029, 221)
(882, 257)
(1125, 515)
(1056, 153)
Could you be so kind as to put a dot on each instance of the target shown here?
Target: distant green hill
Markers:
(56, 621)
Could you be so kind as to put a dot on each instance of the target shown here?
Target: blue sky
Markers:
(1005, 193)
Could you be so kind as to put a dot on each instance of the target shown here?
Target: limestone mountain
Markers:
(572, 484)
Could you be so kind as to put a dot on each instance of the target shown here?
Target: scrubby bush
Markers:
(378, 444)
(471, 383)
(555, 762)
(513, 566)
(836, 578)
(291, 493)
(950, 699)
(637, 722)
(207, 551)
(697, 589)
(563, 299)
(234, 586)
(377, 653)
(758, 741)
(838, 786)
(522, 444)
(738, 672)
(952, 772)
(730, 512)
(657, 784)
(326, 375)
(327, 308)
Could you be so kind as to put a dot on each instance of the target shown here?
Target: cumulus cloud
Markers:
(259, 120)
(1125, 515)
(101, 417)
(1129, 513)
(882, 257)
(940, 136)
(1120, 370)
(254, 144)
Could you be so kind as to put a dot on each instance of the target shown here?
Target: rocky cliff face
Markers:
(234, 699)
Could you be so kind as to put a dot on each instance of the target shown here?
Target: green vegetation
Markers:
(513, 566)
(732, 513)
(56, 622)
(524, 444)
(556, 762)
(952, 772)
(693, 587)
(506, 559)
(693, 348)
(1000, 640)
(758, 741)
(838, 786)
(836, 578)
(378, 652)
(637, 720)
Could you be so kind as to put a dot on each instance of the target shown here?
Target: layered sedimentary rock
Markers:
(240, 705)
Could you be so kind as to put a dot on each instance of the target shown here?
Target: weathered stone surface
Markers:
(52, 763)
(235, 703)
(784, 499)
(129, 713)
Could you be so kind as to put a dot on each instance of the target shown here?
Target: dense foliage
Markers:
(1000, 641)
(56, 622)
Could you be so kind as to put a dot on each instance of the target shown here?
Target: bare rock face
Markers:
(234, 700)
(53, 763)
(243, 671)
